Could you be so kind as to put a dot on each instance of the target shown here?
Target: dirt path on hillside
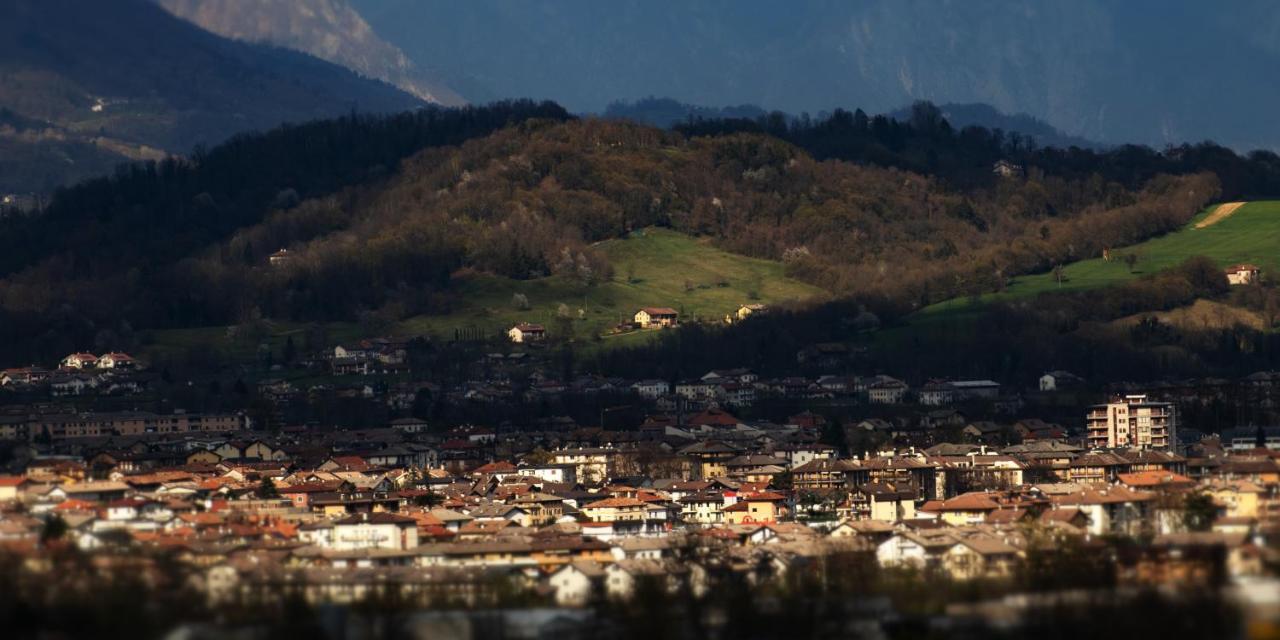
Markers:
(1223, 211)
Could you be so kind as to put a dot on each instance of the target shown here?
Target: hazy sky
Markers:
(1145, 70)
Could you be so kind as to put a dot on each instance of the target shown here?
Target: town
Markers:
(699, 320)
(968, 481)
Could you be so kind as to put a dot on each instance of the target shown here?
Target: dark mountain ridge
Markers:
(128, 79)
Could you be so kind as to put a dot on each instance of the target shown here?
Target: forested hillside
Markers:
(397, 216)
(185, 244)
(924, 141)
(530, 201)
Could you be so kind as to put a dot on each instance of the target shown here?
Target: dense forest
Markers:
(380, 214)
(926, 143)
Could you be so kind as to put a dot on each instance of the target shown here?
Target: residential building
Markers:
(525, 332)
(1132, 421)
(656, 317)
(1241, 274)
(378, 530)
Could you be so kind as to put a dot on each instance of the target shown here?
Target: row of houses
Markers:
(72, 426)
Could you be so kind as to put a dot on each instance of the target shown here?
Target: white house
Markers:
(117, 360)
(72, 385)
(375, 531)
(525, 332)
(551, 472)
(914, 549)
(80, 361)
(652, 389)
(573, 584)
(1057, 380)
(409, 425)
(657, 317)
(936, 394)
(889, 391)
(1240, 274)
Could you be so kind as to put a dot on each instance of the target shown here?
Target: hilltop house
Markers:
(656, 317)
(525, 332)
(80, 361)
(744, 312)
(279, 258)
(1238, 274)
(117, 360)
(1060, 380)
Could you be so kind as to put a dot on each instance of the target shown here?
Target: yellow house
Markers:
(965, 509)
(204, 457)
(11, 486)
(745, 311)
(1239, 498)
(884, 501)
(656, 317)
(755, 508)
(615, 510)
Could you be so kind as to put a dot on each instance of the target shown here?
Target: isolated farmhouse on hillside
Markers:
(656, 317)
(525, 332)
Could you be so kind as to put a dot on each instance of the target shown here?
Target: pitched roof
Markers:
(377, 517)
(973, 501)
(764, 496)
(500, 466)
(1155, 478)
(615, 503)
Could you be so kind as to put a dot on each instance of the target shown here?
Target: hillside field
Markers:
(1250, 234)
(652, 267)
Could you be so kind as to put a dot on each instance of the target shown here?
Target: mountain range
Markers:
(86, 85)
(1146, 71)
(327, 29)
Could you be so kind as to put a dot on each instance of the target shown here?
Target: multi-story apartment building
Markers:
(1132, 421)
(89, 425)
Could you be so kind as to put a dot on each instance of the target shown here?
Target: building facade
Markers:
(1132, 421)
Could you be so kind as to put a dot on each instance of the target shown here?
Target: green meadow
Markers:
(652, 268)
(1251, 234)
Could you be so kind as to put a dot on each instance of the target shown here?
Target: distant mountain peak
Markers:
(327, 29)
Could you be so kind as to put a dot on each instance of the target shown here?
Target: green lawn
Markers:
(1251, 234)
(653, 267)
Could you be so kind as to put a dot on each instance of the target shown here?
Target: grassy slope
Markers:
(651, 269)
(1251, 234)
